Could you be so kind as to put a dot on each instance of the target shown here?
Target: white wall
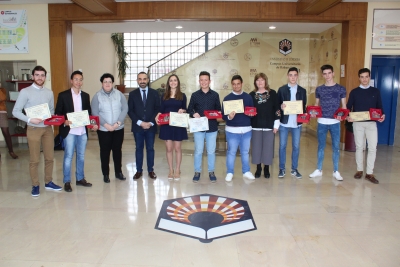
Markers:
(38, 34)
(93, 53)
(369, 52)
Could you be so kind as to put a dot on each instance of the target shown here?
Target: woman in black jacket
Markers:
(265, 124)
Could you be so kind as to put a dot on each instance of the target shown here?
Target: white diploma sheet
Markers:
(78, 119)
(41, 111)
(233, 105)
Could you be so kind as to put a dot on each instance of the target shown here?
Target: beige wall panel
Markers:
(93, 53)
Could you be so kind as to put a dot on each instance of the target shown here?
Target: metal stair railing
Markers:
(177, 58)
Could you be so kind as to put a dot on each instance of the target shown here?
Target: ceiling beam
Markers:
(314, 7)
(98, 7)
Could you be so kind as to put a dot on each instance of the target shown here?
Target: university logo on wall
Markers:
(225, 55)
(247, 87)
(214, 71)
(234, 42)
(234, 72)
(335, 53)
(205, 217)
(285, 47)
(225, 86)
(254, 42)
(253, 72)
(183, 87)
(247, 56)
(202, 57)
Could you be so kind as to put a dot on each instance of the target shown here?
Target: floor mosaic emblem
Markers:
(205, 217)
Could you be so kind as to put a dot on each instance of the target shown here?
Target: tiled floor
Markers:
(306, 222)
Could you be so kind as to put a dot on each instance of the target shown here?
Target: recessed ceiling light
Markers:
(272, 27)
(179, 27)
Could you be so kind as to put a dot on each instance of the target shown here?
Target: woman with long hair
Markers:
(264, 125)
(173, 100)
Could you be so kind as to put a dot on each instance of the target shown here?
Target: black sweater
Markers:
(268, 109)
(363, 99)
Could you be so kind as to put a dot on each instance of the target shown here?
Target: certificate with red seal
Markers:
(250, 111)
(54, 120)
(375, 114)
(213, 114)
(314, 110)
(304, 118)
(342, 113)
(94, 120)
(163, 119)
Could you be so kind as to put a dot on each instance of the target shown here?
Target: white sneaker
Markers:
(249, 175)
(229, 177)
(316, 173)
(337, 176)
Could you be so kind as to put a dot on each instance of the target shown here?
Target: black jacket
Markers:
(284, 95)
(65, 104)
(137, 111)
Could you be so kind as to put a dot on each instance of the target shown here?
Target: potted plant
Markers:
(122, 65)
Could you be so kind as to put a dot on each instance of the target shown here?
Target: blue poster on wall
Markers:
(13, 31)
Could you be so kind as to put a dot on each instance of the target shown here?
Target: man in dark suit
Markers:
(73, 100)
(144, 104)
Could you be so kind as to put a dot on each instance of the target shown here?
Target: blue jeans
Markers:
(235, 141)
(283, 136)
(322, 131)
(211, 142)
(74, 142)
(141, 138)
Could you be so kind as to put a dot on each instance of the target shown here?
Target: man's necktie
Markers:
(144, 97)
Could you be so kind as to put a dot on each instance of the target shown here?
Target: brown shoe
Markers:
(371, 178)
(137, 175)
(152, 175)
(67, 187)
(83, 182)
(358, 175)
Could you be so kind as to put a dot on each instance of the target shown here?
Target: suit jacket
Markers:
(148, 113)
(65, 104)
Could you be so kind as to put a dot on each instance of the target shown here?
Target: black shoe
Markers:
(257, 174)
(120, 176)
(106, 178)
(266, 171)
(67, 187)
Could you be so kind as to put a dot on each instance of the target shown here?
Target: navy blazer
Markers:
(137, 111)
(65, 104)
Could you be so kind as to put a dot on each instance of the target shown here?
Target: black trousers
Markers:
(111, 141)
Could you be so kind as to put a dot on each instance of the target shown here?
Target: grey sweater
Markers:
(32, 96)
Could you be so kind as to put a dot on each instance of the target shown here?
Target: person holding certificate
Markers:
(329, 96)
(363, 98)
(173, 100)
(144, 104)
(238, 130)
(111, 107)
(40, 99)
(290, 92)
(264, 125)
(74, 100)
(201, 100)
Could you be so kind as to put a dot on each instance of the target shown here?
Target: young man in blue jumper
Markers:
(363, 98)
(238, 131)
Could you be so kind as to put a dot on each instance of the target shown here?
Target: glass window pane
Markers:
(139, 35)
